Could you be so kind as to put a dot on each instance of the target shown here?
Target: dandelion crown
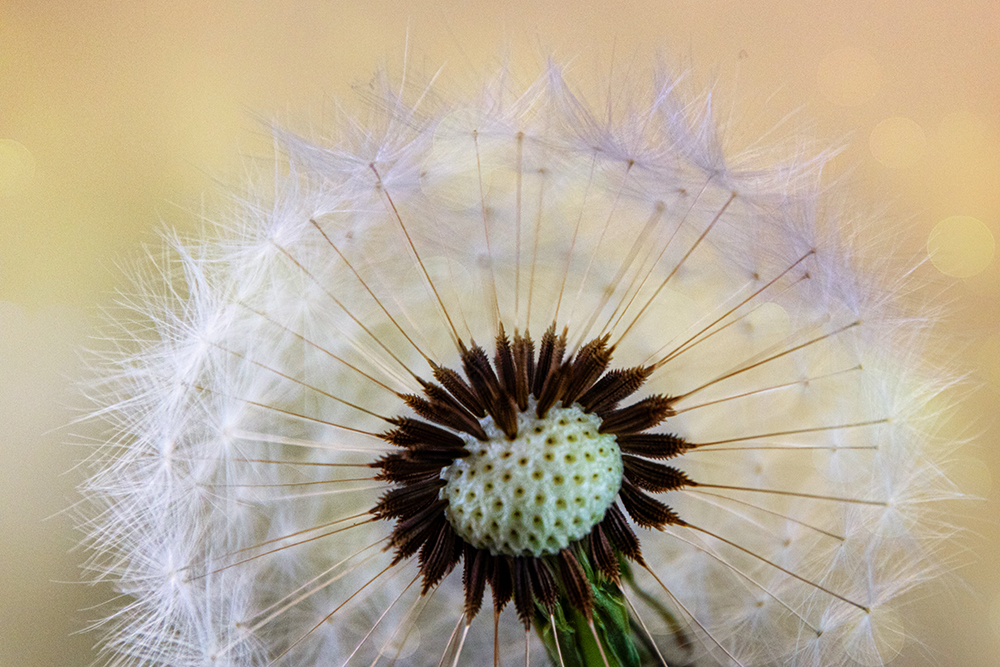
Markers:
(646, 403)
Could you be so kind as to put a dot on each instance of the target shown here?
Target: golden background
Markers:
(118, 117)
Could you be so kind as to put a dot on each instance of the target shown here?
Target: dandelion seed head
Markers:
(329, 419)
(538, 493)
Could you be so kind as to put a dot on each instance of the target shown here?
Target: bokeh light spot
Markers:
(897, 142)
(961, 246)
(849, 77)
(972, 476)
(17, 168)
(403, 645)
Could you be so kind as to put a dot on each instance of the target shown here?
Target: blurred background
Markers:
(119, 117)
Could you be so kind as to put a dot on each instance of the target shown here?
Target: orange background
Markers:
(117, 117)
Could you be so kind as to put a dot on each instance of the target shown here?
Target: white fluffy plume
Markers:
(256, 367)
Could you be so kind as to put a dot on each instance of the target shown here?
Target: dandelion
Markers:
(518, 381)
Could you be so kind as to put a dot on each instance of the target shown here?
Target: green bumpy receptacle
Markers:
(535, 494)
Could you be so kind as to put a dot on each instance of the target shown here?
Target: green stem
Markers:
(614, 644)
(569, 634)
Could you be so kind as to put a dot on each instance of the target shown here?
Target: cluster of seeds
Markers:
(516, 468)
(539, 492)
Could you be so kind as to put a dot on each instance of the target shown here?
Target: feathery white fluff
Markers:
(276, 342)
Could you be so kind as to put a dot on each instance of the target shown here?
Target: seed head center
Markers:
(539, 492)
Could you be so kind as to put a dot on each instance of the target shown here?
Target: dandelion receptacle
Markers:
(518, 380)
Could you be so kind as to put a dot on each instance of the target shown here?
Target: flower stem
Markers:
(604, 639)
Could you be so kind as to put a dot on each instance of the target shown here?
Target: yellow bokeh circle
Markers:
(17, 167)
(961, 246)
(897, 142)
(973, 476)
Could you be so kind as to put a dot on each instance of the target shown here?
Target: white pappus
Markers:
(293, 397)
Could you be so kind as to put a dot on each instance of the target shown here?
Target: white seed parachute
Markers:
(255, 367)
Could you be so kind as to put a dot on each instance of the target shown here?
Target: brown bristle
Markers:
(653, 445)
(602, 555)
(395, 502)
(397, 468)
(499, 404)
(482, 378)
(640, 416)
(552, 391)
(654, 477)
(439, 554)
(413, 433)
(549, 359)
(410, 534)
(614, 387)
(578, 589)
(505, 416)
(586, 368)
(542, 583)
(524, 359)
(474, 576)
(500, 583)
(443, 456)
(646, 511)
(443, 409)
(503, 359)
(462, 392)
(524, 598)
(620, 534)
